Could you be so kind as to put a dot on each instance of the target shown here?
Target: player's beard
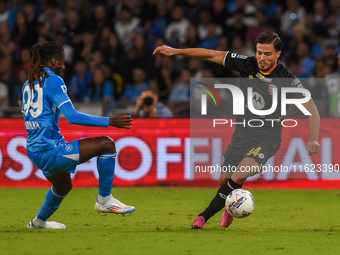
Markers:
(266, 69)
(59, 71)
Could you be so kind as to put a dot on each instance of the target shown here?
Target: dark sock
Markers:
(218, 201)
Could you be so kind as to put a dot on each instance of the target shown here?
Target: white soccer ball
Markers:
(240, 203)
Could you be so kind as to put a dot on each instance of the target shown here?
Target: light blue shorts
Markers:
(64, 158)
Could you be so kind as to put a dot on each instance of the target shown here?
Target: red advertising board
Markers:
(161, 152)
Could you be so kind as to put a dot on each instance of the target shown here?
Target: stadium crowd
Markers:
(109, 44)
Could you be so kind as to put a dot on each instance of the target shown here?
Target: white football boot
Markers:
(48, 225)
(113, 205)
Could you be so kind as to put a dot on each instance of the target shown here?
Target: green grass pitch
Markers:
(283, 222)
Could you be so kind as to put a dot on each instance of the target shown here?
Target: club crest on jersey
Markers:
(271, 87)
(64, 88)
(69, 148)
(263, 78)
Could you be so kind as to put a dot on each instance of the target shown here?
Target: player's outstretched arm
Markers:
(75, 117)
(123, 121)
(200, 53)
(313, 145)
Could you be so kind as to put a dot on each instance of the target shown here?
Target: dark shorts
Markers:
(260, 149)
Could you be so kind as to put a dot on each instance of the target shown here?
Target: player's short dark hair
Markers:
(269, 38)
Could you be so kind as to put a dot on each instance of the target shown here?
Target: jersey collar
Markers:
(49, 70)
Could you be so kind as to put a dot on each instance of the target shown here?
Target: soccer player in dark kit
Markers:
(251, 147)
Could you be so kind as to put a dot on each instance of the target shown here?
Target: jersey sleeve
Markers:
(57, 91)
(79, 118)
(235, 61)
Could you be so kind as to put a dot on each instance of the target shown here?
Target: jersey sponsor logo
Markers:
(64, 88)
(233, 55)
(271, 87)
(296, 82)
(263, 78)
(258, 101)
(32, 125)
(241, 56)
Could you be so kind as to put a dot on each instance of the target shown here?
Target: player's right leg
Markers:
(56, 165)
(226, 219)
(257, 155)
(104, 147)
(235, 181)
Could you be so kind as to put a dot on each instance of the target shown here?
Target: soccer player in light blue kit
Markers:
(44, 98)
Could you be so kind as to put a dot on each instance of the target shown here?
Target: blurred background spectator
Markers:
(148, 106)
(134, 90)
(176, 31)
(100, 90)
(179, 99)
(333, 85)
(80, 81)
(109, 44)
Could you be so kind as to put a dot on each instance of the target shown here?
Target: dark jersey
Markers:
(262, 96)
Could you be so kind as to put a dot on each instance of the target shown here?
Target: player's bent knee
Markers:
(63, 190)
(108, 144)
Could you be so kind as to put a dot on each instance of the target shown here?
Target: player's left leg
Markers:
(104, 147)
(238, 178)
(62, 184)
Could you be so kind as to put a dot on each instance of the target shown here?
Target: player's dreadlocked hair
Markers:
(40, 55)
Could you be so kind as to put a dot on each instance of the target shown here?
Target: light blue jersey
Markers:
(41, 111)
(41, 107)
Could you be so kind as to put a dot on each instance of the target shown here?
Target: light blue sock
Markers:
(106, 168)
(50, 205)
